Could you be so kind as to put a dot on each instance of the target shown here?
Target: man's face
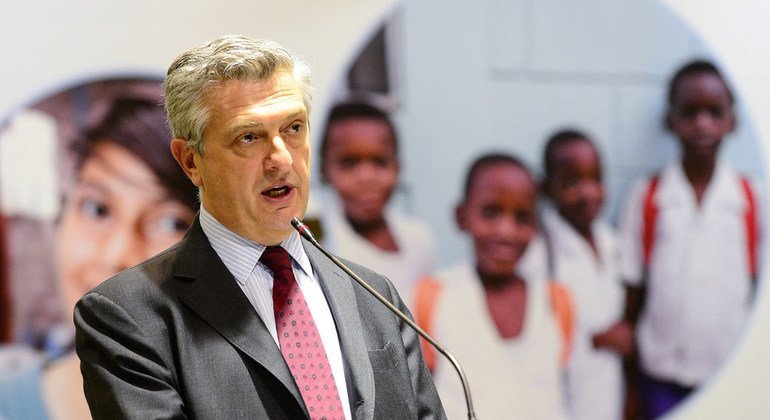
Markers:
(254, 174)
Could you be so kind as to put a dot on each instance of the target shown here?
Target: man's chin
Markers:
(282, 221)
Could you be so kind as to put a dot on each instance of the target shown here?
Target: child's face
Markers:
(701, 115)
(499, 214)
(118, 215)
(361, 165)
(575, 185)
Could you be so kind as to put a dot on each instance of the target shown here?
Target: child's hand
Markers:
(618, 338)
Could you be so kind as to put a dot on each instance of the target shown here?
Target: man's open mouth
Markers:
(277, 191)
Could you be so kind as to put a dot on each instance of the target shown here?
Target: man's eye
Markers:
(295, 128)
(247, 138)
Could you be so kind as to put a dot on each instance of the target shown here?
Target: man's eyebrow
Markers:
(296, 114)
(244, 125)
(258, 124)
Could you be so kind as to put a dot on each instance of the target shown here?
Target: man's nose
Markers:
(278, 157)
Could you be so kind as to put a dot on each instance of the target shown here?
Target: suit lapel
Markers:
(338, 288)
(210, 290)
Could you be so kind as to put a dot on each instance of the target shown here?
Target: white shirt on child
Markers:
(414, 259)
(594, 376)
(699, 282)
(516, 378)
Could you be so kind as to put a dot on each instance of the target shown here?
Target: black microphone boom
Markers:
(304, 231)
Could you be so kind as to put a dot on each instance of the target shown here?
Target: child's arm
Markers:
(635, 297)
(633, 270)
(618, 338)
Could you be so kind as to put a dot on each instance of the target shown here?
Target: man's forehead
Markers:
(279, 91)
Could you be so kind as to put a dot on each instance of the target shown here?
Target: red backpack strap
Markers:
(752, 229)
(650, 218)
(561, 300)
(427, 291)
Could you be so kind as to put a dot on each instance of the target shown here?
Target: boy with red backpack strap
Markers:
(690, 239)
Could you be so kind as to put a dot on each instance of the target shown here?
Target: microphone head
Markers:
(303, 230)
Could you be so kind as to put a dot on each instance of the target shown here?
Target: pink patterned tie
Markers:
(300, 341)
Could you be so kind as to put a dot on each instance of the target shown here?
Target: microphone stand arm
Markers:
(304, 231)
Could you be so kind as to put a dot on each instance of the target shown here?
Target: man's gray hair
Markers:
(230, 57)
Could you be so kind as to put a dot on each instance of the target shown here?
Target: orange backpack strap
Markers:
(650, 217)
(752, 229)
(561, 300)
(426, 295)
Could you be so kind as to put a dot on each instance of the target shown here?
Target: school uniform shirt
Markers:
(699, 281)
(413, 260)
(516, 378)
(594, 376)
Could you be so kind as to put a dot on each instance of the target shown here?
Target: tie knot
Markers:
(276, 259)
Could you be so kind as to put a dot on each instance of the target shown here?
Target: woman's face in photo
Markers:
(118, 215)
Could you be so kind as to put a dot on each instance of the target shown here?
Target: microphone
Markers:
(305, 232)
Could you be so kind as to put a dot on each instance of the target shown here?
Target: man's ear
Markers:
(185, 156)
(461, 218)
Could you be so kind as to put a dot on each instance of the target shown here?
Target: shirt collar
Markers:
(721, 187)
(240, 255)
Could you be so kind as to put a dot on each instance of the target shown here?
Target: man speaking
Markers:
(243, 318)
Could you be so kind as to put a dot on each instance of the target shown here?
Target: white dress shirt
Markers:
(594, 376)
(511, 378)
(241, 257)
(699, 284)
(413, 260)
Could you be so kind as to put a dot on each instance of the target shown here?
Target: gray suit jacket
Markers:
(176, 337)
